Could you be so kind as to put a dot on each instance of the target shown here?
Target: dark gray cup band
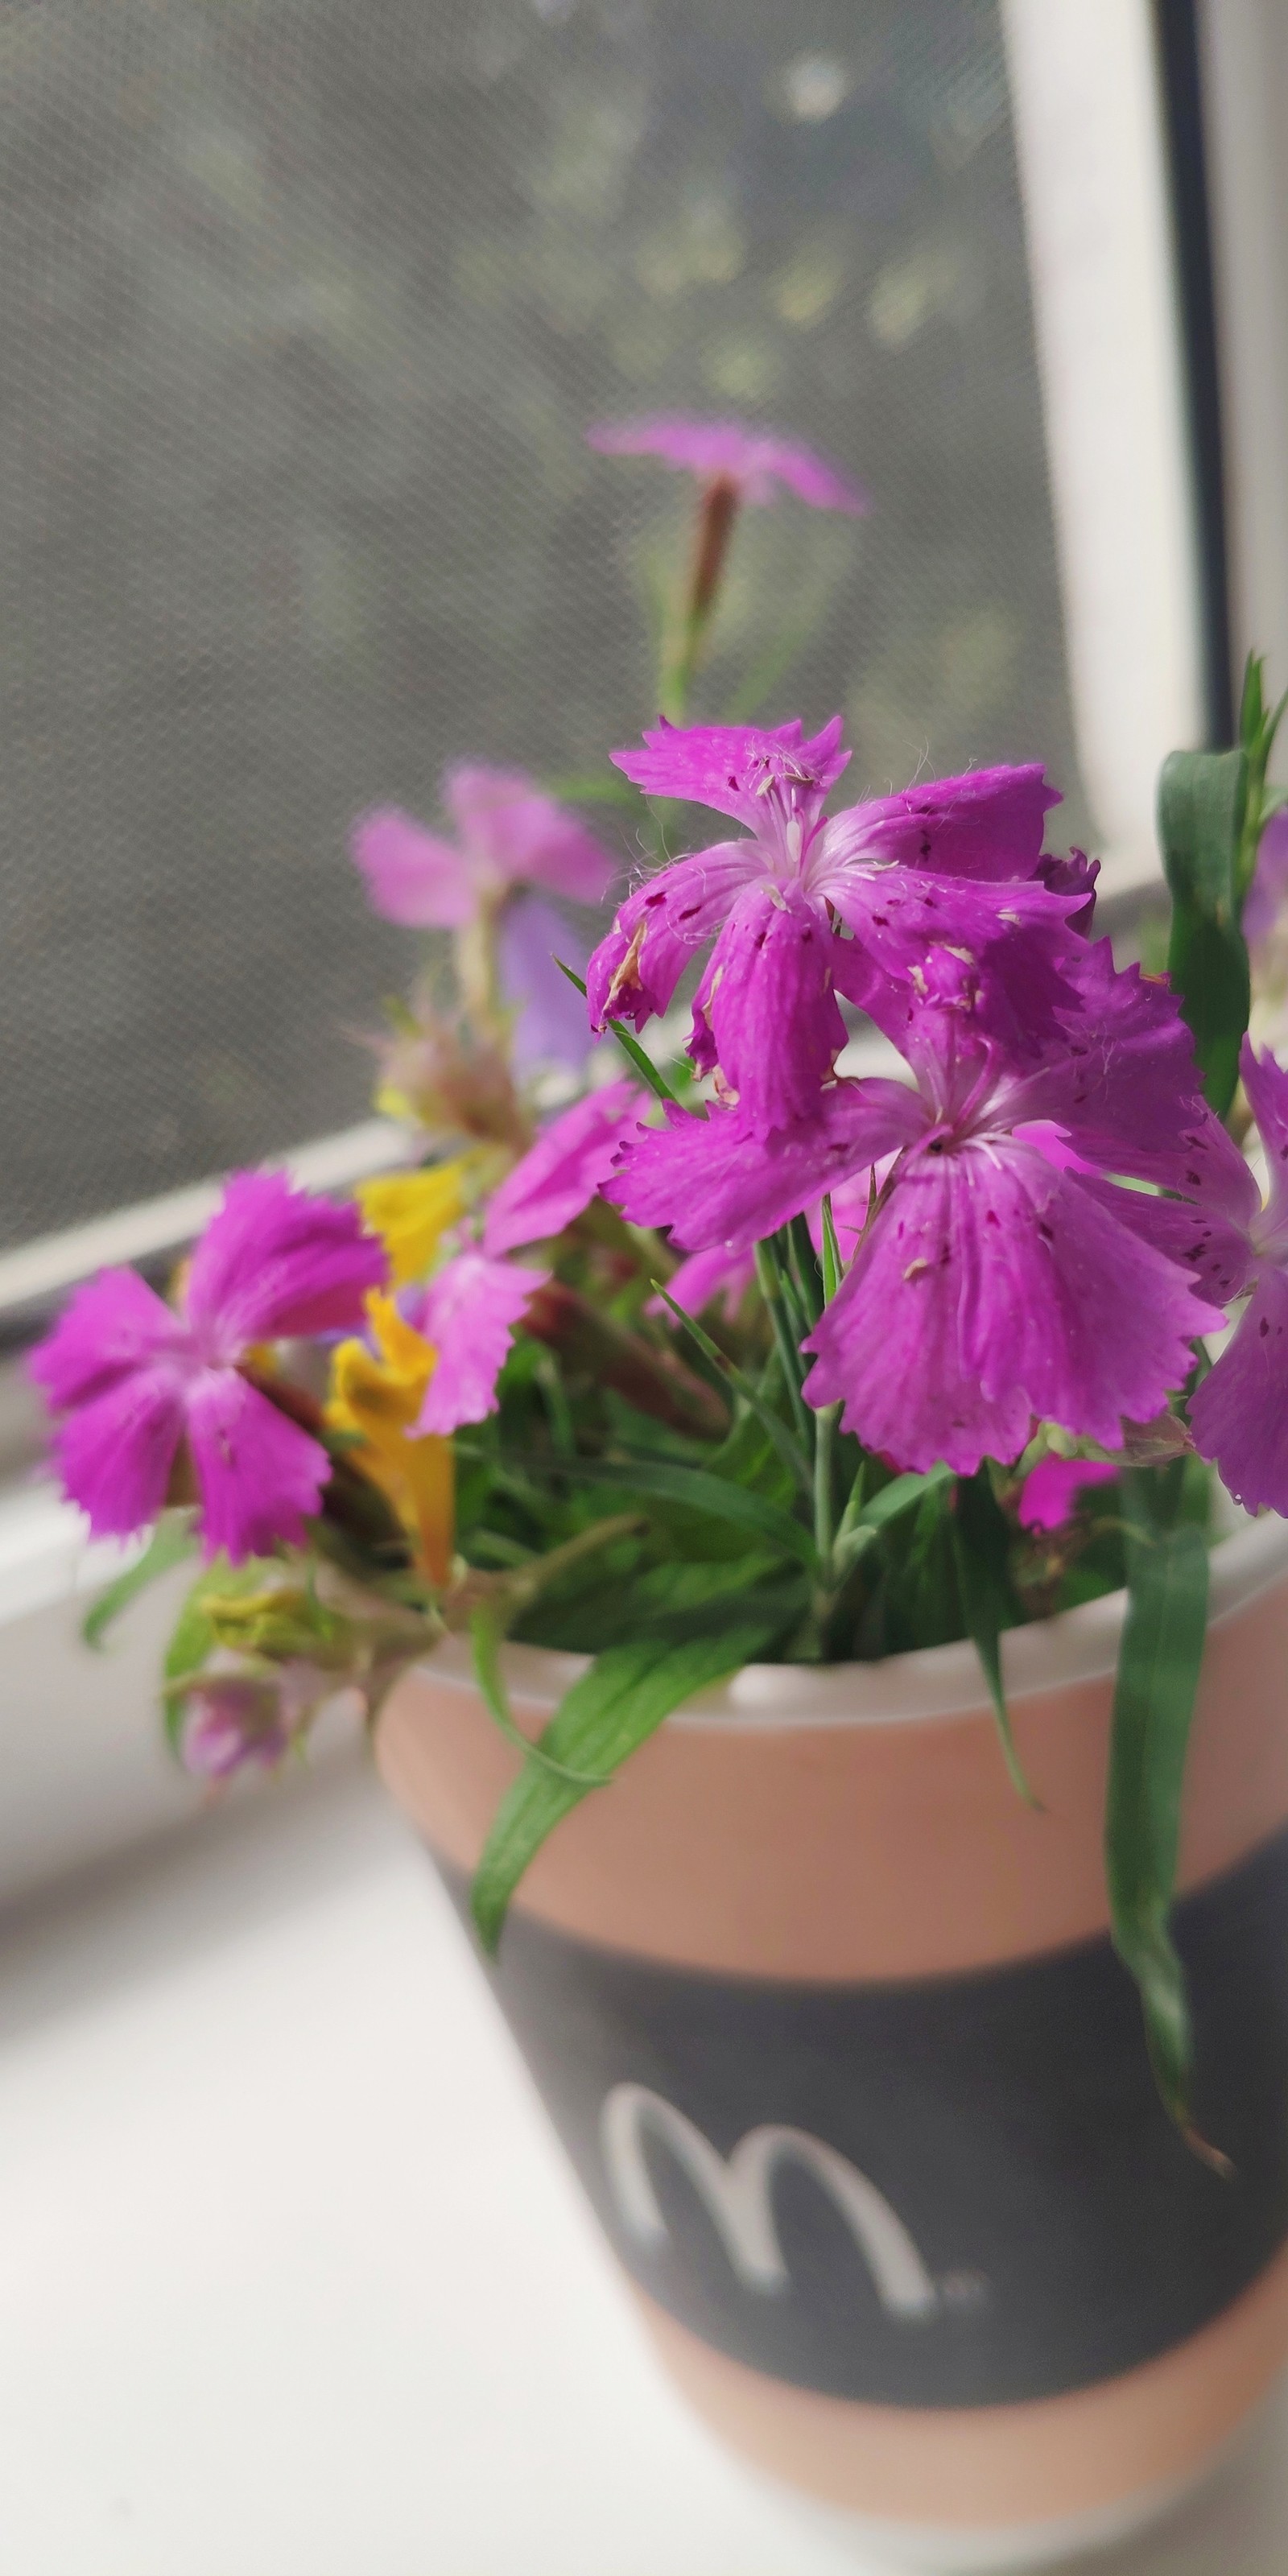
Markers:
(955, 2192)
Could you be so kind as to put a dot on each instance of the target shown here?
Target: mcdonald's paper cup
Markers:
(831, 2027)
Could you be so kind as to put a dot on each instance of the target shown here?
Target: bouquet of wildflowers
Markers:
(874, 1296)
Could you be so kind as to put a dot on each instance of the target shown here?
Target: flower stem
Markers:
(717, 512)
(825, 1422)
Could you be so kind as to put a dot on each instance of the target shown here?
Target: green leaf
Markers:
(486, 1633)
(629, 1044)
(171, 1540)
(1202, 808)
(608, 1712)
(772, 1284)
(981, 1547)
(789, 1449)
(1158, 1671)
(833, 1266)
(901, 1495)
(691, 1486)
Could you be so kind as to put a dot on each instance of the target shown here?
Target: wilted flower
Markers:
(232, 1722)
(755, 461)
(138, 1380)
(451, 1081)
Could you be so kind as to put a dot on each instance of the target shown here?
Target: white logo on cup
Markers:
(737, 2192)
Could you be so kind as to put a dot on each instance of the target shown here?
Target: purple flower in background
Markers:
(1050, 1493)
(508, 833)
(563, 1171)
(1239, 1415)
(755, 462)
(944, 872)
(1002, 1277)
(551, 1023)
(468, 1314)
(137, 1379)
(1268, 891)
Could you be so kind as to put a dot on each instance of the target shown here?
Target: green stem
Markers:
(825, 1422)
(770, 1286)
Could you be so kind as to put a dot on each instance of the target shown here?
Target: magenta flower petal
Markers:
(739, 769)
(1073, 874)
(635, 969)
(412, 876)
(713, 1180)
(1199, 1239)
(703, 1278)
(1266, 1085)
(1239, 1416)
(469, 1313)
(563, 1171)
(115, 1453)
(728, 451)
(767, 1003)
(552, 1026)
(1125, 1086)
(987, 824)
(989, 1292)
(274, 1261)
(515, 834)
(113, 1326)
(260, 1477)
(1049, 1494)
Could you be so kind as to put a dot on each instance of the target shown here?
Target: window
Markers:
(306, 309)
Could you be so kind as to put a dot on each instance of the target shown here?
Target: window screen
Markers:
(305, 308)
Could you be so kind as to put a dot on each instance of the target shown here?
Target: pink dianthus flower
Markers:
(756, 462)
(805, 906)
(136, 1379)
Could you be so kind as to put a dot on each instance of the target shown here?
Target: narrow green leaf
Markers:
(772, 1286)
(692, 1486)
(901, 1496)
(789, 1449)
(486, 1634)
(1158, 1671)
(981, 1549)
(171, 1541)
(608, 1712)
(1202, 809)
(629, 1044)
(595, 787)
(833, 1266)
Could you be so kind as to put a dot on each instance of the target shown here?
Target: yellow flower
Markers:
(378, 1394)
(411, 1211)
